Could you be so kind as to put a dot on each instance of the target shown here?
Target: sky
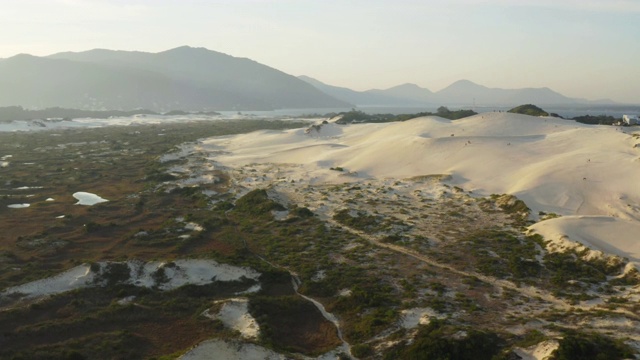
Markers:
(580, 48)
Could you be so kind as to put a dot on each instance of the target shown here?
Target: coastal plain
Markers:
(356, 241)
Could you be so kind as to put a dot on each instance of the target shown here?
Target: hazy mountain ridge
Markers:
(355, 97)
(199, 79)
(460, 93)
(182, 78)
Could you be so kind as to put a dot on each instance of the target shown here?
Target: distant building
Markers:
(630, 119)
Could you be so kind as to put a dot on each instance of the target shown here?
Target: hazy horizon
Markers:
(582, 49)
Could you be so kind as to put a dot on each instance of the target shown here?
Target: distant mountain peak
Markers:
(22, 56)
(409, 90)
(187, 48)
(24, 59)
(465, 84)
(460, 93)
(407, 86)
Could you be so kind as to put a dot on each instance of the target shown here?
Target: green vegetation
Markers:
(532, 337)
(512, 205)
(362, 350)
(504, 255)
(302, 212)
(111, 273)
(292, 324)
(362, 221)
(597, 120)
(570, 266)
(440, 340)
(357, 116)
(91, 323)
(529, 109)
(257, 202)
(339, 276)
(591, 346)
(454, 115)
(456, 239)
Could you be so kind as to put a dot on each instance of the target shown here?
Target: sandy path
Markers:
(528, 291)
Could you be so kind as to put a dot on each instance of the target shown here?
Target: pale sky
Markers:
(580, 48)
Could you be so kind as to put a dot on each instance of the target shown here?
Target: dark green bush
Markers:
(361, 350)
(529, 109)
(591, 346)
(440, 341)
(257, 202)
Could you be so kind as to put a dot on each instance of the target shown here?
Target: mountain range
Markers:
(198, 79)
(182, 78)
(460, 93)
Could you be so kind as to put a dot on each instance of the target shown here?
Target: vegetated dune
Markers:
(553, 165)
(172, 275)
(231, 351)
(600, 233)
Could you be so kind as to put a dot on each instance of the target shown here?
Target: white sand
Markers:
(252, 290)
(411, 318)
(179, 273)
(541, 351)
(75, 278)
(610, 235)
(126, 300)
(18, 206)
(319, 276)
(193, 227)
(235, 315)
(4, 163)
(544, 164)
(85, 198)
(230, 350)
(183, 272)
(553, 165)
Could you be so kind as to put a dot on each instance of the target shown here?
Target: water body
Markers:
(566, 111)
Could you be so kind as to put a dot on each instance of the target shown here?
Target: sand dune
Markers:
(602, 233)
(553, 165)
